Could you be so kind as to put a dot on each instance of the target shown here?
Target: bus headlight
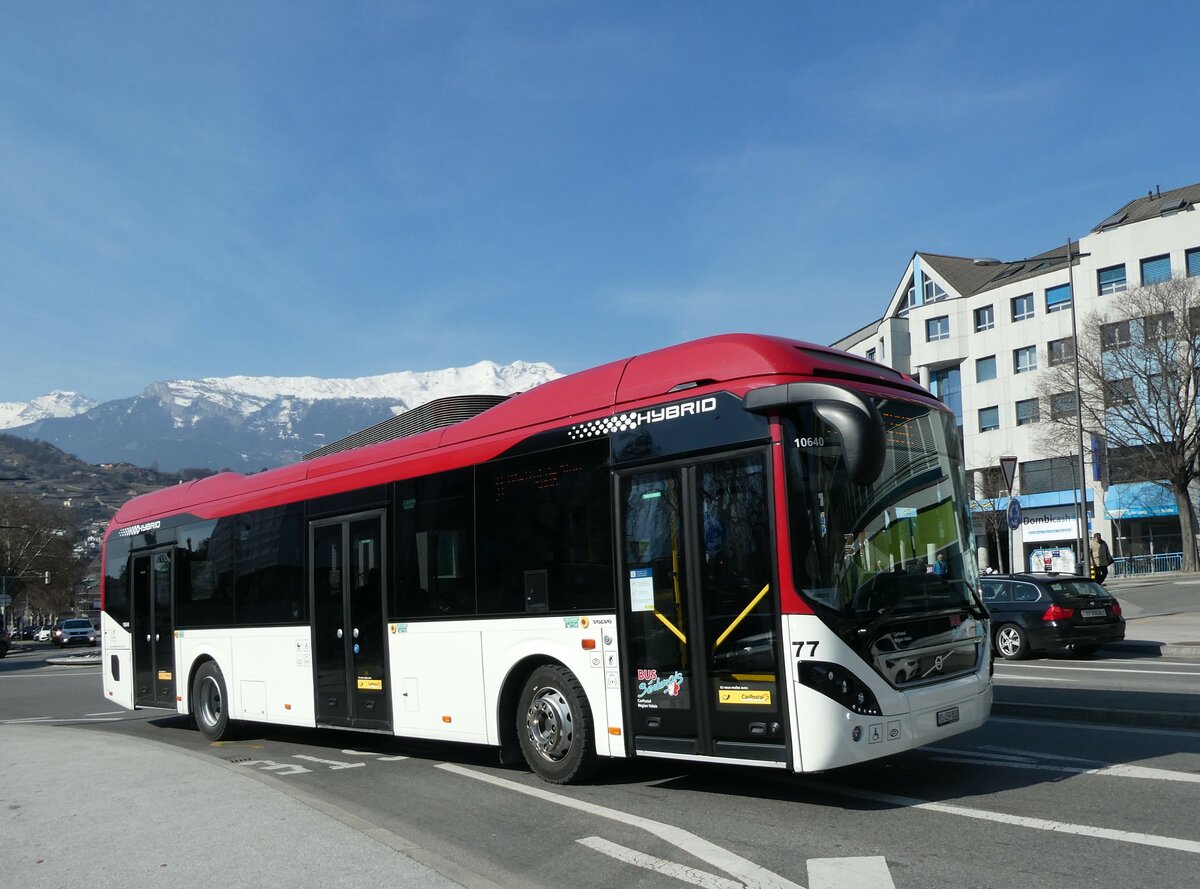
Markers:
(836, 682)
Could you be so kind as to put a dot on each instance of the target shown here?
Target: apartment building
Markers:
(980, 333)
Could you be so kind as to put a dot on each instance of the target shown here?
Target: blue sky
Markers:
(342, 190)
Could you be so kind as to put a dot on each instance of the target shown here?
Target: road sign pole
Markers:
(1008, 470)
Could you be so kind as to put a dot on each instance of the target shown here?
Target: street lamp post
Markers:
(1081, 539)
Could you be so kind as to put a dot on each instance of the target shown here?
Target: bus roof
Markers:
(739, 361)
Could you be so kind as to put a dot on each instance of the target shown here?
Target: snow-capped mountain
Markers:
(56, 404)
(249, 423)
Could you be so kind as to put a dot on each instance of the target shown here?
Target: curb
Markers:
(1156, 649)
(74, 660)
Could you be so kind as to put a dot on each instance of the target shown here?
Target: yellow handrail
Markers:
(737, 620)
(670, 626)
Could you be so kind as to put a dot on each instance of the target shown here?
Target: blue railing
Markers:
(1131, 566)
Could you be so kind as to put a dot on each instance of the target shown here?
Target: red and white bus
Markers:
(721, 551)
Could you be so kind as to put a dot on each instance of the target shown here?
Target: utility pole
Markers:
(1081, 539)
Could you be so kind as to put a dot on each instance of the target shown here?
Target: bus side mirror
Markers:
(854, 416)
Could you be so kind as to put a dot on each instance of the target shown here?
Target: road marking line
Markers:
(1037, 679)
(1102, 833)
(659, 865)
(29, 719)
(108, 713)
(1024, 667)
(849, 873)
(333, 764)
(1115, 769)
(753, 875)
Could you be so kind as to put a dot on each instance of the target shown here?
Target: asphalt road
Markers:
(1020, 803)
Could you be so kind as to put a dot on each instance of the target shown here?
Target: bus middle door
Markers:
(153, 630)
(349, 631)
(699, 611)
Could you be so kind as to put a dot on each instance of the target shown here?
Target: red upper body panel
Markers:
(733, 362)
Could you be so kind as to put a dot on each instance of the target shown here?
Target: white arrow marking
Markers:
(332, 763)
(849, 873)
(280, 768)
(753, 875)
(659, 865)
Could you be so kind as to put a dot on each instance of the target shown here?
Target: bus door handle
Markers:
(356, 632)
(339, 632)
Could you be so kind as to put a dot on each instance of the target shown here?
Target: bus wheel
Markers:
(210, 702)
(555, 726)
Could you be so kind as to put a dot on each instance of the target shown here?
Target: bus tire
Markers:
(1011, 642)
(210, 702)
(554, 724)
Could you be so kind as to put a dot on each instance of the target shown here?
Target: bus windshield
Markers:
(900, 545)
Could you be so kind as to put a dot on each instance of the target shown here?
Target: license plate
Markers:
(1093, 612)
(947, 716)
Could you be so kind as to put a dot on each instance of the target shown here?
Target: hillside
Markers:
(44, 472)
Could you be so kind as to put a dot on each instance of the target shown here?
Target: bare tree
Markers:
(985, 505)
(1138, 378)
(36, 555)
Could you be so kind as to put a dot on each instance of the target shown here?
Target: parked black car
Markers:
(5, 642)
(1050, 612)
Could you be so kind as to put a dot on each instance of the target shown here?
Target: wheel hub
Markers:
(210, 701)
(550, 724)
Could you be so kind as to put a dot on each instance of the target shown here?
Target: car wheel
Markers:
(1011, 642)
(554, 725)
(210, 702)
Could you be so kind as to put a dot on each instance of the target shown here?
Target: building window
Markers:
(1022, 307)
(937, 328)
(1027, 412)
(1043, 476)
(985, 369)
(1118, 392)
(1062, 405)
(1060, 351)
(1193, 262)
(985, 318)
(870, 354)
(1114, 336)
(1024, 360)
(1058, 298)
(1111, 279)
(933, 293)
(1155, 270)
(989, 418)
(946, 385)
(1158, 328)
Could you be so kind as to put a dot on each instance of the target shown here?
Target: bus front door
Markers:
(699, 610)
(349, 644)
(153, 631)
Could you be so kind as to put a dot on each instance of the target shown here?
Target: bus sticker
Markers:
(366, 683)
(650, 683)
(740, 695)
(641, 589)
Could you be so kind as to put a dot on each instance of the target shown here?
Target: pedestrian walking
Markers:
(1101, 557)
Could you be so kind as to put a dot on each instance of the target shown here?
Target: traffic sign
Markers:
(1014, 513)
(1008, 466)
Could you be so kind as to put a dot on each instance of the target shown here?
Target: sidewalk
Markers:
(85, 808)
(1162, 614)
